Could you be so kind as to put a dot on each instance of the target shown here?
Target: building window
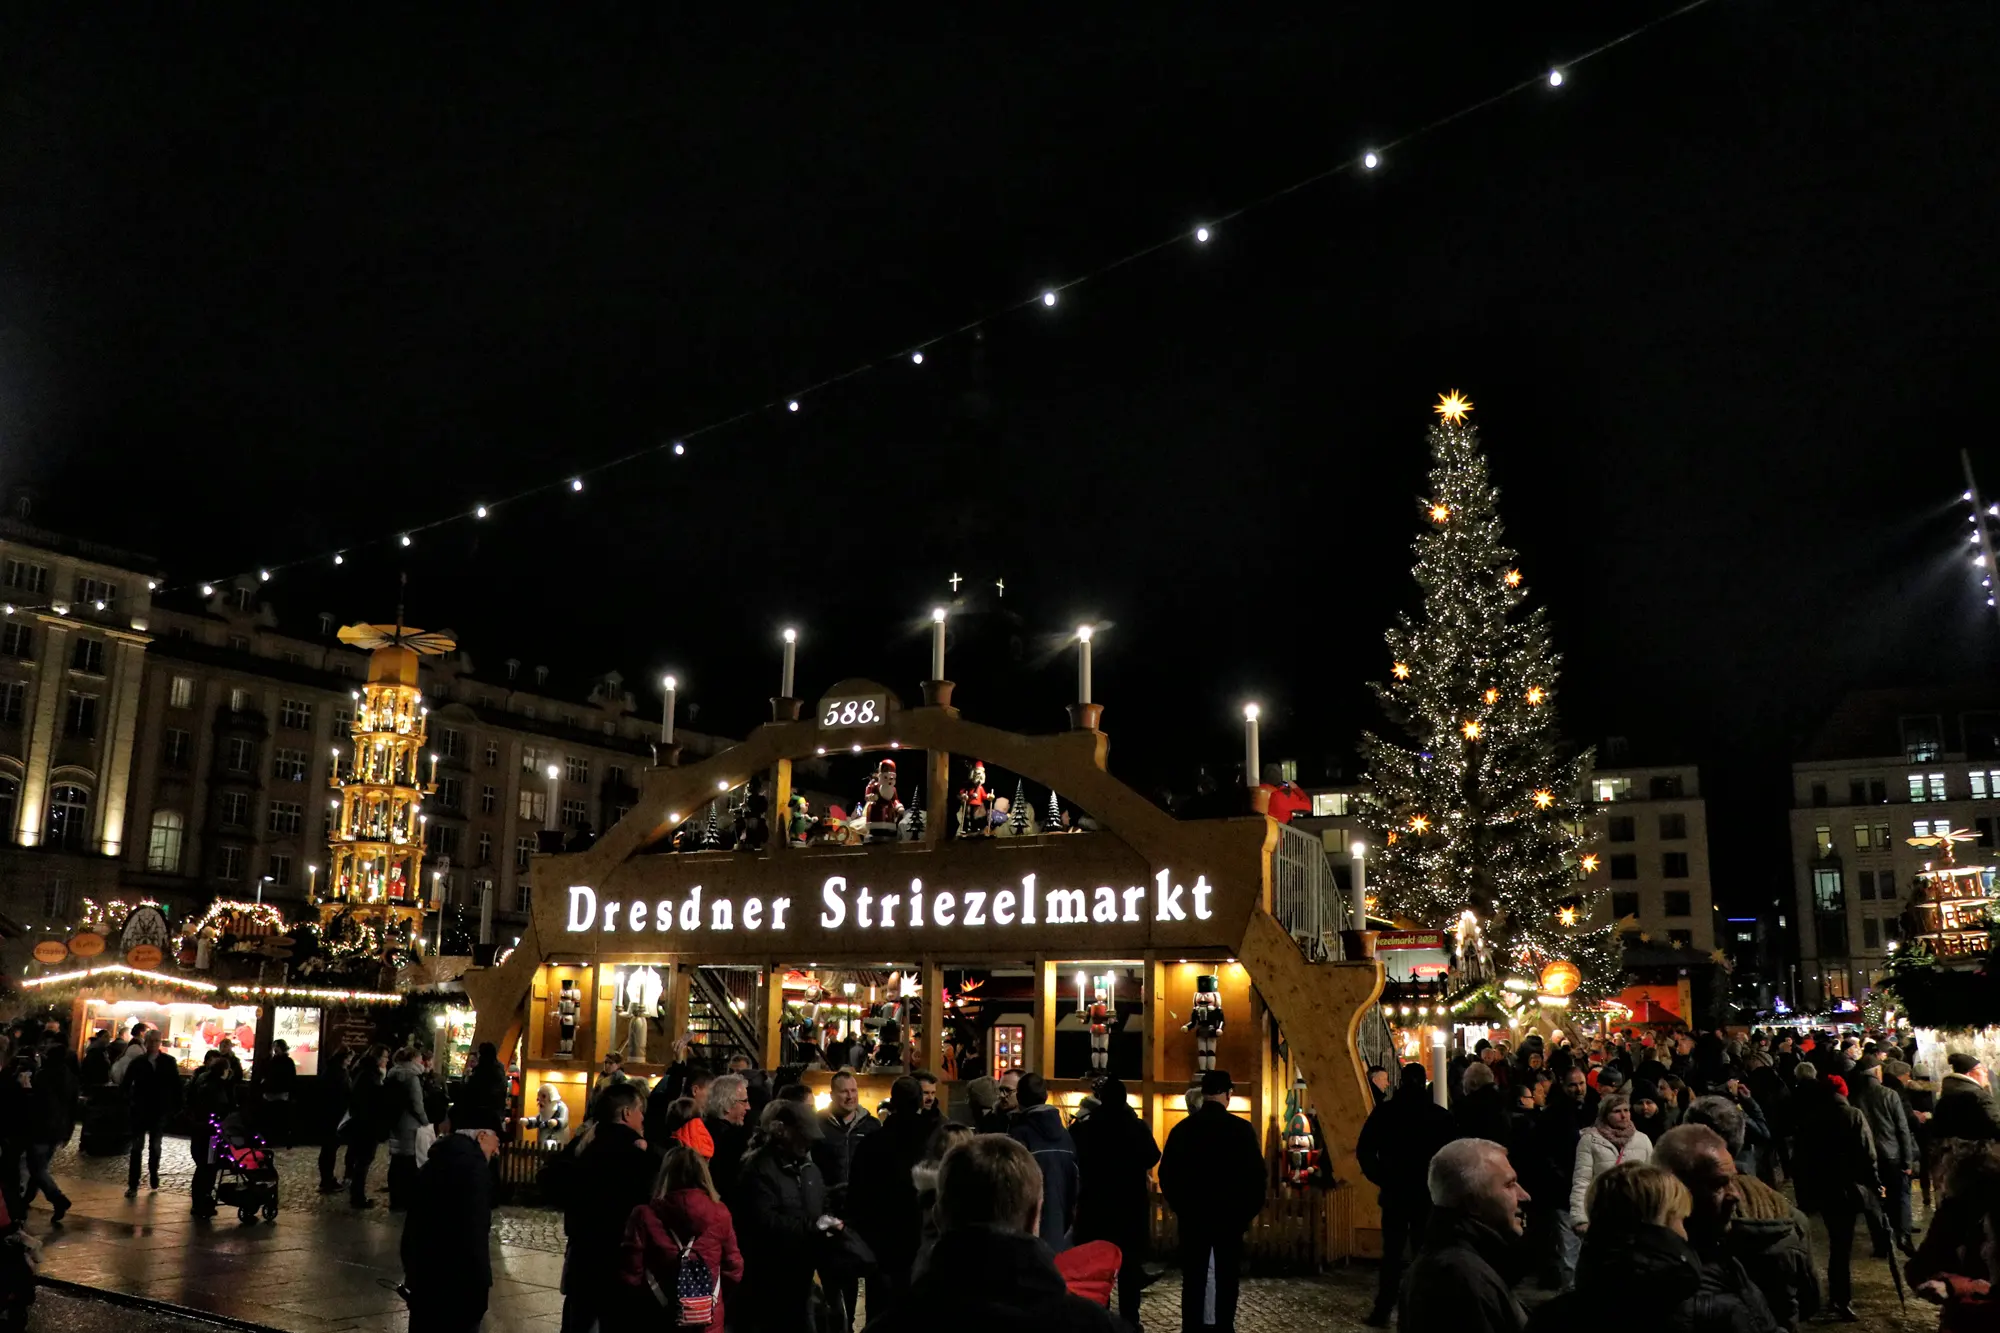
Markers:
(1864, 884)
(1936, 781)
(239, 700)
(230, 865)
(452, 743)
(87, 656)
(448, 793)
(1916, 786)
(447, 841)
(1878, 791)
(618, 812)
(91, 591)
(1679, 902)
(177, 751)
(1325, 803)
(278, 866)
(1819, 794)
(241, 752)
(529, 754)
(1885, 884)
(1857, 792)
(17, 640)
(534, 804)
(1621, 828)
(1828, 893)
(286, 817)
(238, 644)
(579, 769)
(296, 714)
(1609, 789)
(55, 898)
(1861, 843)
(1882, 837)
(163, 843)
(69, 818)
(523, 849)
(1674, 865)
(1923, 739)
(523, 894)
(572, 814)
(1892, 932)
(1625, 866)
(82, 715)
(242, 598)
(180, 694)
(1871, 933)
(343, 719)
(10, 804)
(27, 576)
(288, 765)
(1673, 827)
(1834, 983)
(1623, 904)
(486, 849)
(1823, 839)
(235, 809)
(488, 800)
(1921, 828)
(13, 700)
(492, 754)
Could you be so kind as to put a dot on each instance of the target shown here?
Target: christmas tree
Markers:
(917, 815)
(1053, 820)
(1017, 820)
(1478, 813)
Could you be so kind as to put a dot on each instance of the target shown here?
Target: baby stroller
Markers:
(246, 1171)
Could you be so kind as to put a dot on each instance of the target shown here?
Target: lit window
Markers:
(1917, 787)
(69, 818)
(181, 693)
(1936, 781)
(163, 844)
(1329, 803)
(1828, 893)
(1823, 839)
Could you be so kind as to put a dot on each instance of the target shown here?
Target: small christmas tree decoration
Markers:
(917, 814)
(1473, 746)
(1055, 813)
(711, 832)
(1018, 822)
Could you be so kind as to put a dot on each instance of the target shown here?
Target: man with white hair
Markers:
(1464, 1276)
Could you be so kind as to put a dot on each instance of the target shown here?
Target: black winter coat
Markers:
(613, 1175)
(153, 1090)
(451, 1214)
(1484, 1115)
(1964, 1111)
(731, 1141)
(1462, 1281)
(1610, 1273)
(1213, 1172)
(57, 1087)
(882, 1202)
(364, 1107)
(979, 1280)
(834, 1153)
(1769, 1237)
(1114, 1154)
(1398, 1141)
(1040, 1130)
(1888, 1120)
(1832, 1152)
(776, 1200)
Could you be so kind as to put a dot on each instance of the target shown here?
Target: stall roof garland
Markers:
(114, 973)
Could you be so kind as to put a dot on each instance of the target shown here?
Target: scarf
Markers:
(1615, 1136)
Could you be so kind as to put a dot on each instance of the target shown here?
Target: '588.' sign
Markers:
(853, 710)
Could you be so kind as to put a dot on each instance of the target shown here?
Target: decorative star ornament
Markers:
(1453, 406)
(1419, 824)
(1401, 671)
(1544, 798)
(1535, 694)
(1513, 578)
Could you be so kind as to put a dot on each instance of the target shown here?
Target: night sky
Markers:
(272, 284)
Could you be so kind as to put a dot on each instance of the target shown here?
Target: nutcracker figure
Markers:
(1101, 1016)
(974, 803)
(1206, 1020)
(1301, 1156)
(567, 1005)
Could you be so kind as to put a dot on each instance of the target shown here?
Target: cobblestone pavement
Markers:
(322, 1267)
(64, 1312)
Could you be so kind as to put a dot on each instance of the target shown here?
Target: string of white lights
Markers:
(911, 352)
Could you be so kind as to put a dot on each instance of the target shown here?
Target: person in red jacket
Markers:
(685, 1209)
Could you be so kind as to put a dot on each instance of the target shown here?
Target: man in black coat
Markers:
(153, 1092)
(881, 1198)
(614, 1173)
(331, 1091)
(777, 1202)
(57, 1087)
(1115, 1153)
(1463, 1279)
(1214, 1177)
(447, 1266)
(1394, 1152)
(1964, 1106)
(1571, 1109)
(726, 1114)
(988, 1273)
(1728, 1296)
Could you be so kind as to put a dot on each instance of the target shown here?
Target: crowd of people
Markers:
(1580, 1175)
(726, 1199)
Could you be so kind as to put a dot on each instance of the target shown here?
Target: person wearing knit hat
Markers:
(982, 1095)
(1964, 1106)
(694, 1134)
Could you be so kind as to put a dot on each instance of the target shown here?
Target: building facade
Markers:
(1889, 765)
(182, 752)
(1649, 829)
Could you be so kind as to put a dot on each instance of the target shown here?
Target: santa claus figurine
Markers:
(880, 809)
(974, 802)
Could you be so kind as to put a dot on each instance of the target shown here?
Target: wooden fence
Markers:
(1289, 1235)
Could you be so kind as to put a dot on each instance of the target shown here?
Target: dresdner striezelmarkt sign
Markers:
(911, 906)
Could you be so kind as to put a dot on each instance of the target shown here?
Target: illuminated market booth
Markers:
(1152, 949)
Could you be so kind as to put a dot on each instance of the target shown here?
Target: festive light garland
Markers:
(117, 969)
(911, 351)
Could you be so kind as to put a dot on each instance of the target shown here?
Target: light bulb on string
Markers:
(1555, 78)
(916, 358)
(406, 539)
(480, 512)
(1048, 298)
(208, 590)
(1201, 235)
(264, 575)
(792, 406)
(1370, 161)
(576, 483)
(679, 448)
(339, 559)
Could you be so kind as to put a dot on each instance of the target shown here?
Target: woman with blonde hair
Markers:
(1612, 1141)
(1637, 1243)
(684, 1224)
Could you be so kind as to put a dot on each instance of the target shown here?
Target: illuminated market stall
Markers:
(1153, 949)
